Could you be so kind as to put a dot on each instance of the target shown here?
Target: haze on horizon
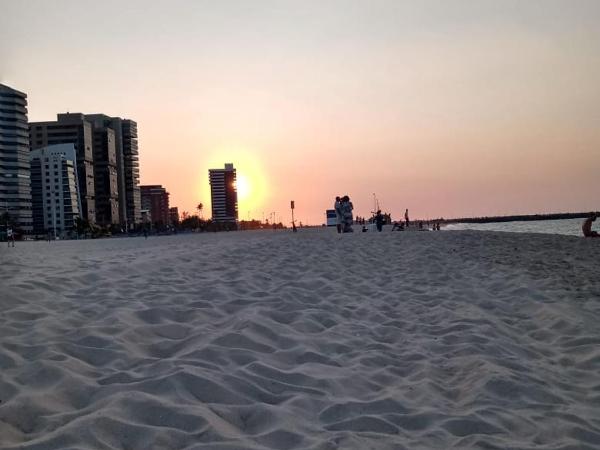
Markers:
(448, 108)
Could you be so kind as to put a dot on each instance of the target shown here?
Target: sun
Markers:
(243, 187)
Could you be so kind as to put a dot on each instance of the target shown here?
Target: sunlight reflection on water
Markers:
(570, 227)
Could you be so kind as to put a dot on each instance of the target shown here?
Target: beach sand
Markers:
(270, 340)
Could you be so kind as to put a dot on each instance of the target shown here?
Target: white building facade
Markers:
(55, 190)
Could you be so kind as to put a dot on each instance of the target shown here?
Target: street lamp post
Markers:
(53, 197)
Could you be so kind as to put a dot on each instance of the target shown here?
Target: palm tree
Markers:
(199, 208)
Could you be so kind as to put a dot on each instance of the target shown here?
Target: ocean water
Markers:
(570, 227)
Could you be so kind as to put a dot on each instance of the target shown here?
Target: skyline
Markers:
(446, 108)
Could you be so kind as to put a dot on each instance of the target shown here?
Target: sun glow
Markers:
(244, 189)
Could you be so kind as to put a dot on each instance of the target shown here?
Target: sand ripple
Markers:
(315, 341)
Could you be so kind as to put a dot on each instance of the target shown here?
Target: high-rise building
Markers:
(223, 194)
(107, 149)
(72, 129)
(127, 165)
(131, 167)
(155, 199)
(54, 189)
(105, 174)
(15, 189)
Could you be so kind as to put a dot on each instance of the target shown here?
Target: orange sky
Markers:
(448, 108)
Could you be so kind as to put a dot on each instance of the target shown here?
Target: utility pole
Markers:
(293, 221)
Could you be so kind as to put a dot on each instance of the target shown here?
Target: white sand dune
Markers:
(268, 340)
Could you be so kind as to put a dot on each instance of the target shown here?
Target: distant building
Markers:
(54, 188)
(15, 190)
(72, 129)
(155, 199)
(223, 194)
(174, 215)
(127, 165)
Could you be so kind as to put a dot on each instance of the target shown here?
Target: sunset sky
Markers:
(448, 108)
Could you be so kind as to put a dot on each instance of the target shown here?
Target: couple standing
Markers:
(343, 214)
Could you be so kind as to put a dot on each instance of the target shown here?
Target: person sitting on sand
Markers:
(587, 226)
(399, 226)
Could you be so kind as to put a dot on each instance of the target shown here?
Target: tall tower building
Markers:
(54, 189)
(131, 169)
(223, 194)
(72, 129)
(106, 185)
(127, 165)
(15, 190)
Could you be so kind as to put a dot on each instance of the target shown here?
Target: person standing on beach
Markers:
(347, 217)
(10, 237)
(338, 213)
(587, 226)
(406, 218)
(379, 220)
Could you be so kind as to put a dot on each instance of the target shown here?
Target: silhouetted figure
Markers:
(406, 219)
(399, 226)
(587, 226)
(10, 237)
(379, 220)
(364, 229)
(337, 206)
(347, 216)
(145, 233)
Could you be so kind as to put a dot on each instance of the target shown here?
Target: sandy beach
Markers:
(269, 340)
